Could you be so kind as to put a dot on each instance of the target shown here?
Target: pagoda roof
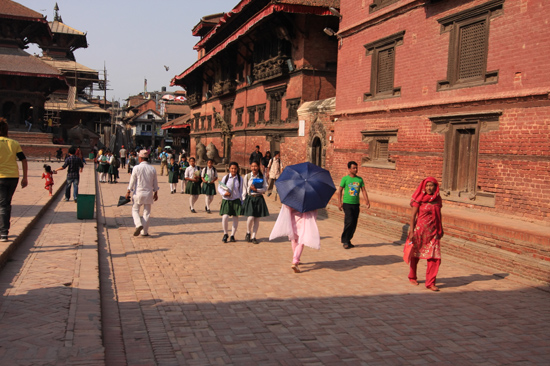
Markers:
(14, 61)
(206, 24)
(58, 27)
(80, 106)
(11, 9)
(177, 108)
(180, 122)
(68, 65)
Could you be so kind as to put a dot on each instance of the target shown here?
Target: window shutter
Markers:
(472, 51)
(385, 70)
(382, 147)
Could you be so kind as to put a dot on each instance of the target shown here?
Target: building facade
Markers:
(257, 65)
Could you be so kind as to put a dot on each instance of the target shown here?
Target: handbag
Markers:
(408, 251)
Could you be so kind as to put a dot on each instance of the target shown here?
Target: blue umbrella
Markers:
(305, 187)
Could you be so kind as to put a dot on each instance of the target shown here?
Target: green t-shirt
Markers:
(352, 187)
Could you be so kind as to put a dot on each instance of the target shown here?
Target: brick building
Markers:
(457, 90)
(257, 64)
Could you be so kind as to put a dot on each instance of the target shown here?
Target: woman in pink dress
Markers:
(301, 229)
(427, 232)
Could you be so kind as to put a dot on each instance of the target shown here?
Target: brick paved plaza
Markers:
(182, 297)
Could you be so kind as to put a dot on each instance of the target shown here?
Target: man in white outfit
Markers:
(144, 189)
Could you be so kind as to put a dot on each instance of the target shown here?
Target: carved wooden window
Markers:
(203, 125)
(379, 148)
(469, 45)
(379, 4)
(196, 124)
(275, 97)
(239, 112)
(461, 156)
(209, 123)
(251, 116)
(227, 109)
(261, 113)
(292, 106)
(383, 66)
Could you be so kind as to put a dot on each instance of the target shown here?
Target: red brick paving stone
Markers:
(191, 299)
(50, 310)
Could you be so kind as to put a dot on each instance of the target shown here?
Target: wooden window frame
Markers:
(275, 97)
(375, 139)
(374, 49)
(453, 24)
(379, 4)
(261, 113)
(209, 123)
(292, 106)
(451, 127)
(239, 113)
(251, 116)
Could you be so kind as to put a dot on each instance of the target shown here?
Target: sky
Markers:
(134, 38)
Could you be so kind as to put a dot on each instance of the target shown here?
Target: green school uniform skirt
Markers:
(193, 188)
(231, 208)
(102, 168)
(209, 189)
(255, 206)
(173, 177)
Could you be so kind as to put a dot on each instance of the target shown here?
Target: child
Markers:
(173, 175)
(48, 175)
(132, 162)
(103, 167)
(231, 190)
(183, 166)
(301, 229)
(113, 168)
(193, 186)
(209, 175)
(254, 205)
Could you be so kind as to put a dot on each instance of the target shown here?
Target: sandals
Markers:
(433, 288)
(413, 282)
(295, 268)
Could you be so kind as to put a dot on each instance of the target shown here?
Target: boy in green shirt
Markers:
(351, 184)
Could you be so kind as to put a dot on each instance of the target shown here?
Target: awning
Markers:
(273, 8)
(175, 126)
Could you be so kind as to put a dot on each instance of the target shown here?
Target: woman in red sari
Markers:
(427, 232)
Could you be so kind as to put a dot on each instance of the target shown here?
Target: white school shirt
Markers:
(211, 173)
(190, 171)
(234, 185)
(247, 181)
(143, 183)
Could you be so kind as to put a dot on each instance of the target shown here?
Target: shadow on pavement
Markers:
(465, 280)
(349, 264)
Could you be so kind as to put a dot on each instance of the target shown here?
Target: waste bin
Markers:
(91, 156)
(85, 206)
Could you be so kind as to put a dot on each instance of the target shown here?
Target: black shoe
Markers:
(3, 238)
(232, 239)
(138, 230)
(346, 246)
(351, 245)
(193, 210)
(208, 211)
(254, 241)
(224, 239)
(247, 237)
(75, 200)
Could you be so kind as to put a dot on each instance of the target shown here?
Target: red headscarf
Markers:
(420, 196)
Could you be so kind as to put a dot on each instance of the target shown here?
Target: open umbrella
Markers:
(305, 187)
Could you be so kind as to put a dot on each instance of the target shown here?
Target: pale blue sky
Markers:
(135, 38)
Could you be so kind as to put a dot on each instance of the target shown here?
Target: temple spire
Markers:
(57, 17)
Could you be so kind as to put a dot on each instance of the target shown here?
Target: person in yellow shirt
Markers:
(10, 150)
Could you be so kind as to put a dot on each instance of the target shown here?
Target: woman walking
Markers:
(426, 231)
(173, 175)
(254, 205)
(193, 187)
(184, 164)
(231, 190)
(209, 175)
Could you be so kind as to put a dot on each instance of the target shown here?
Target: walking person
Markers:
(254, 206)
(48, 175)
(123, 155)
(301, 229)
(184, 164)
(275, 168)
(265, 162)
(74, 167)
(209, 176)
(143, 188)
(351, 185)
(10, 151)
(193, 185)
(255, 156)
(28, 123)
(103, 165)
(173, 175)
(163, 156)
(230, 188)
(426, 231)
(113, 168)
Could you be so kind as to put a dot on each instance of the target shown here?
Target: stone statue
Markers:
(212, 153)
(201, 154)
(224, 126)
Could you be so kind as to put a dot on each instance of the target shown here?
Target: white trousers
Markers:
(138, 221)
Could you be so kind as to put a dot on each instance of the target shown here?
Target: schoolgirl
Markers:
(254, 205)
(184, 164)
(103, 167)
(173, 175)
(193, 186)
(48, 175)
(230, 188)
(113, 168)
(209, 175)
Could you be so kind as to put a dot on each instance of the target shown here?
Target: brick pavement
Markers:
(184, 297)
(50, 310)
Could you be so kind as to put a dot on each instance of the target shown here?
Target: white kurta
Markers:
(143, 183)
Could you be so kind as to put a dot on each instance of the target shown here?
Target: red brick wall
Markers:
(514, 161)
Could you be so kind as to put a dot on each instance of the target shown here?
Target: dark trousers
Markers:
(351, 216)
(71, 181)
(123, 163)
(7, 189)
